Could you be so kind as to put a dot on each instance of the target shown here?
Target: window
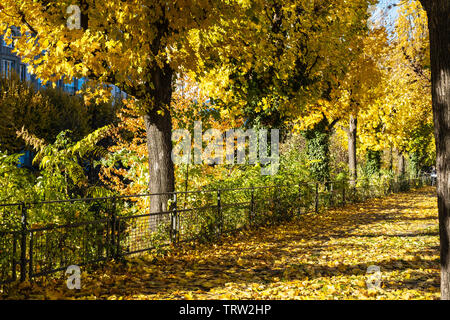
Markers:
(7, 45)
(7, 67)
(23, 72)
(26, 160)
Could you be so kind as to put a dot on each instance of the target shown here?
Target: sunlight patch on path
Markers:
(318, 256)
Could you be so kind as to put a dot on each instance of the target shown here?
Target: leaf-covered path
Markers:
(320, 256)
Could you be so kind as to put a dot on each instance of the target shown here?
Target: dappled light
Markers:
(318, 256)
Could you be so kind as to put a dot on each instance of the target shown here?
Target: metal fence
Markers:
(121, 225)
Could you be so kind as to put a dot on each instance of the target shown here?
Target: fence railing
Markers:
(120, 225)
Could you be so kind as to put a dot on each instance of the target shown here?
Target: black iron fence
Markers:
(121, 225)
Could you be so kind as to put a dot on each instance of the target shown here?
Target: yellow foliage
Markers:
(312, 258)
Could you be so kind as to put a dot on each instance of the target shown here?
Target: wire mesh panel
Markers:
(139, 233)
(138, 227)
(235, 209)
(10, 217)
(10, 244)
(55, 248)
(325, 195)
(9, 256)
(43, 238)
(307, 197)
(374, 188)
(264, 204)
(189, 225)
(198, 215)
(82, 235)
(285, 198)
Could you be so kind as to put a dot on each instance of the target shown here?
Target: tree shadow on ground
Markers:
(302, 250)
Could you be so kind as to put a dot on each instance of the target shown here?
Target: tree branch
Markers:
(24, 21)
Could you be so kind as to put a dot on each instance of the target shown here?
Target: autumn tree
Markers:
(438, 12)
(45, 113)
(438, 33)
(305, 63)
(137, 46)
(400, 118)
(360, 88)
(353, 92)
(140, 46)
(410, 115)
(126, 168)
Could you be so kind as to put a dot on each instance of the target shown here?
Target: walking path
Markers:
(320, 256)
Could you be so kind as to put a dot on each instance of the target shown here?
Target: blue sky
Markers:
(386, 12)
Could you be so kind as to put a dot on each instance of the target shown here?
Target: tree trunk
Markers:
(401, 165)
(373, 162)
(158, 123)
(318, 151)
(438, 12)
(352, 131)
(391, 160)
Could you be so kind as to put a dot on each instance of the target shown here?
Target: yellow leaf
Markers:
(189, 274)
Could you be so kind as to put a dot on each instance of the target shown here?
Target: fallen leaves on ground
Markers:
(318, 256)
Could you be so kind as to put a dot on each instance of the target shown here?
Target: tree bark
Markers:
(352, 131)
(401, 165)
(158, 123)
(438, 12)
(318, 149)
(391, 158)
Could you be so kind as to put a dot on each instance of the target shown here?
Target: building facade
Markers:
(10, 62)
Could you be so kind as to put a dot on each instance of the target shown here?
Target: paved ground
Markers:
(320, 256)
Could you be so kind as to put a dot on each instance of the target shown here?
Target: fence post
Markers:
(275, 201)
(331, 194)
(299, 199)
(343, 193)
(113, 229)
(364, 190)
(14, 262)
(23, 244)
(316, 202)
(174, 220)
(30, 261)
(252, 206)
(219, 213)
(389, 191)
